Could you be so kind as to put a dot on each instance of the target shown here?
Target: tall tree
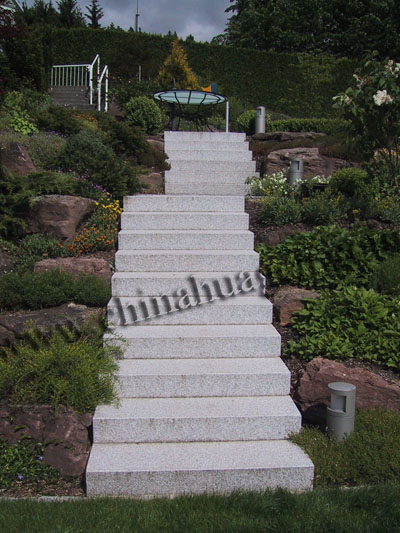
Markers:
(176, 70)
(70, 15)
(40, 12)
(95, 13)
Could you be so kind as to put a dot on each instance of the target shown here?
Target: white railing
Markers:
(99, 83)
(83, 75)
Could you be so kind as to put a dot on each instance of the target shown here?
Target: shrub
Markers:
(126, 140)
(386, 277)
(19, 121)
(330, 126)
(358, 187)
(176, 71)
(34, 290)
(348, 323)
(328, 256)
(133, 88)
(321, 209)
(35, 247)
(270, 185)
(59, 119)
(144, 113)
(246, 122)
(67, 369)
(387, 208)
(278, 211)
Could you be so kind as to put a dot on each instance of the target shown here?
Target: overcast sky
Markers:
(202, 18)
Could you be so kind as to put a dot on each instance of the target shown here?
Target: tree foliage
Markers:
(176, 71)
(70, 15)
(341, 27)
(94, 14)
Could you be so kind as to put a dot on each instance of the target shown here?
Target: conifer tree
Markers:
(95, 13)
(176, 68)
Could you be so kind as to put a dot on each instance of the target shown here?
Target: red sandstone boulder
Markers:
(67, 431)
(288, 299)
(16, 159)
(314, 163)
(312, 394)
(76, 266)
(59, 215)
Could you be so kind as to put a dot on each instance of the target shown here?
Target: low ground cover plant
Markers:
(328, 257)
(350, 323)
(38, 290)
(367, 457)
(70, 369)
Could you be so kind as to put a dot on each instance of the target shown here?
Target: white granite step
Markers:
(189, 378)
(202, 283)
(225, 167)
(185, 240)
(197, 419)
(195, 341)
(200, 187)
(163, 202)
(208, 155)
(171, 469)
(186, 260)
(185, 176)
(196, 220)
(237, 146)
(207, 136)
(167, 311)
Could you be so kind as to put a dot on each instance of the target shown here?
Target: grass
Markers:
(364, 510)
(371, 455)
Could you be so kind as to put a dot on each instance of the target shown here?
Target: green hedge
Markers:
(295, 84)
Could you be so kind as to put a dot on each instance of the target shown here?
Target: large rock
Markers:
(59, 215)
(288, 299)
(76, 266)
(314, 163)
(275, 236)
(15, 159)
(6, 263)
(156, 143)
(286, 136)
(67, 431)
(14, 326)
(312, 394)
(153, 183)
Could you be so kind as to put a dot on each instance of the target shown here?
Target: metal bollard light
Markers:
(341, 412)
(296, 170)
(260, 119)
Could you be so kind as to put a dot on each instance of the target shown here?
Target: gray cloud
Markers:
(202, 18)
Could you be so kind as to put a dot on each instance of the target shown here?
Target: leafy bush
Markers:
(67, 369)
(101, 230)
(85, 153)
(34, 290)
(330, 126)
(321, 209)
(132, 88)
(357, 186)
(246, 122)
(19, 121)
(35, 247)
(368, 456)
(278, 211)
(350, 323)
(328, 256)
(22, 463)
(386, 277)
(143, 112)
(387, 209)
(60, 119)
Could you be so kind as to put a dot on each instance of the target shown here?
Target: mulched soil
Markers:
(64, 487)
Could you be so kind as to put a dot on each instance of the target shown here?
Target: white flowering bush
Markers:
(270, 185)
(372, 104)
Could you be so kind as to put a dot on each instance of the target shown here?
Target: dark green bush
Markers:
(328, 256)
(143, 112)
(386, 277)
(59, 119)
(123, 92)
(246, 122)
(321, 209)
(279, 210)
(86, 153)
(35, 247)
(34, 290)
(320, 125)
(67, 369)
(350, 323)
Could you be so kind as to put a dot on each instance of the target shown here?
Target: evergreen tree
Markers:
(95, 13)
(70, 15)
(176, 68)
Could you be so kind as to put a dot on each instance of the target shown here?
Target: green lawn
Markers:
(323, 510)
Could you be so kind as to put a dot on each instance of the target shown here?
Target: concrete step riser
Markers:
(159, 203)
(165, 261)
(195, 137)
(185, 240)
(196, 429)
(207, 155)
(185, 221)
(206, 188)
(209, 145)
(233, 311)
(194, 386)
(181, 176)
(206, 283)
(225, 167)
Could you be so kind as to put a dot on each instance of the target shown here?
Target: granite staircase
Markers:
(205, 403)
(76, 97)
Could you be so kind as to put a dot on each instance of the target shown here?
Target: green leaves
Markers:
(349, 323)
